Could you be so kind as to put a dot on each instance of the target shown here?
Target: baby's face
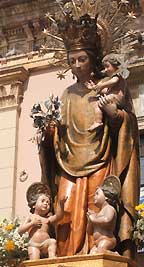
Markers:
(99, 197)
(42, 204)
(109, 68)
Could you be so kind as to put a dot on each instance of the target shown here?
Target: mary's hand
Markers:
(105, 103)
(51, 127)
(50, 130)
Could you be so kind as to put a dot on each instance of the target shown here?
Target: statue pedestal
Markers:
(99, 260)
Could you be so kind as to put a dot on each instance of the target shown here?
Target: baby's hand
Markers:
(51, 219)
(88, 217)
(36, 222)
(90, 85)
(87, 214)
(90, 211)
(91, 215)
(99, 87)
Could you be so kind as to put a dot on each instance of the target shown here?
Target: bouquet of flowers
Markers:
(138, 229)
(12, 245)
(48, 111)
(44, 114)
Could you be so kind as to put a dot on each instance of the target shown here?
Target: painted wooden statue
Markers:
(75, 160)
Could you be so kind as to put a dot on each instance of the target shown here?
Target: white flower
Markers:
(12, 245)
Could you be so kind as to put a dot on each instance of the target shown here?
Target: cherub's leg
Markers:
(106, 244)
(52, 248)
(34, 253)
(93, 250)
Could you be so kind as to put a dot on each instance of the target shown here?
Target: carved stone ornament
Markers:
(11, 95)
(12, 86)
(23, 176)
(21, 24)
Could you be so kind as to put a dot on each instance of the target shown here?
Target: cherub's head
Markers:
(39, 198)
(41, 204)
(111, 63)
(109, 191)
(99, 197)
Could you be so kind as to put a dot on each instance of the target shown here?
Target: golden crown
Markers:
(80, 33)
(77, 26)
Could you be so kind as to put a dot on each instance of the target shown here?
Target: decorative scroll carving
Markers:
(11, 86)
(11, 95)
(16, 90)
(2, 91)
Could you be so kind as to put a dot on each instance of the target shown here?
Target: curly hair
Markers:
(34, 191)
(34, 200)
(113, 59)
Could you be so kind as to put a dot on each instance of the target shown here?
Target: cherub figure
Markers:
(102, 224)
(114, 88)
(37, 224)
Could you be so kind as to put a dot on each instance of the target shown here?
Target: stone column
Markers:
(3, 43)
(29, 35)
(11, 96)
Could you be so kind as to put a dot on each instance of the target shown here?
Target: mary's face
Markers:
(80, 64)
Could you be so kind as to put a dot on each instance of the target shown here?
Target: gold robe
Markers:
(86, 158)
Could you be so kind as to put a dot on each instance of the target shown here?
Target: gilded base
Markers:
(99, 260)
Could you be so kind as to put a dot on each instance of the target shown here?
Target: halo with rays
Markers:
(113, 23)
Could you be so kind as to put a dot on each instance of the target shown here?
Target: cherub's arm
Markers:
(104, 218)
(102, 84)
(108, 83)
(89, 223)
(89, 228)
(28, 224)
(59, 212)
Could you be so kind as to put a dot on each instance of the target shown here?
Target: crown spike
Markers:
(45, 31)
(75, 9)
(61, 8)
(79, 30)
(47, 15)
